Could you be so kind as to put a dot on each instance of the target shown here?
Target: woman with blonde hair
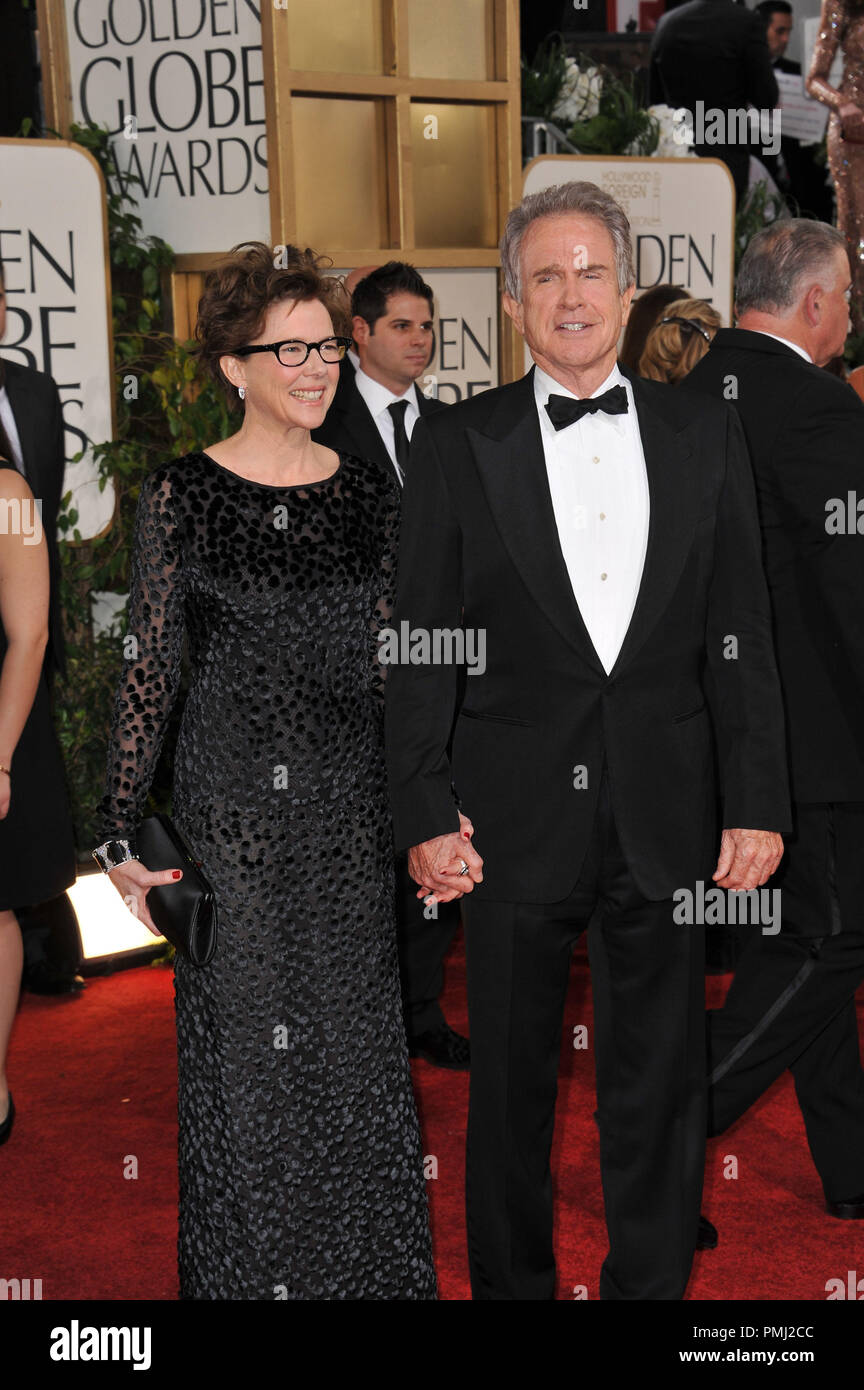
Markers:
(678, 340)
(301, 1170)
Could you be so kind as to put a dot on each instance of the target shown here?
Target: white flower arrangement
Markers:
(579, 98)
(675, 139)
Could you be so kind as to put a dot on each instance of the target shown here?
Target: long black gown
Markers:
(301, 1171)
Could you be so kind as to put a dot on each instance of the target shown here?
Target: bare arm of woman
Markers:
(24, 588)
(832, 27)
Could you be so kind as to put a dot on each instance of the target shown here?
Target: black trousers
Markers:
(792, 1001)
(649, 1050)
(422, 944)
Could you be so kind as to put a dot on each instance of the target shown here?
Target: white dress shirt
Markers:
(11, 429)
(378, 398)
(599, 487)
(802, 352)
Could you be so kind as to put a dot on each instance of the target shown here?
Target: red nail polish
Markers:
(176, 873)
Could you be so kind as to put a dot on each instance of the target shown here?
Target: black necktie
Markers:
(564, 411)
(400, 437)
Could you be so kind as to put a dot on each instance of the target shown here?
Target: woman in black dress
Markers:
(301, 1172)
(37, 854)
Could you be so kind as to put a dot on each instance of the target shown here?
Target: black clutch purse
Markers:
(185, 911)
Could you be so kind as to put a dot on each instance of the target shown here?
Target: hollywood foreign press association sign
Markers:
(58, 305)
(179, 85)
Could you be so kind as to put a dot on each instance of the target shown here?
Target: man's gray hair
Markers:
(584, 198)
(782, 261)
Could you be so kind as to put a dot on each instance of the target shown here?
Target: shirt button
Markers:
(595, 459)
(602, 576)
(602, 516)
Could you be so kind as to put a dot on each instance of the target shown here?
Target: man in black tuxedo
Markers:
(597, 537)
(800, 177)
(32, 418)
(792, 1001)
(373, 416)
(714, 52)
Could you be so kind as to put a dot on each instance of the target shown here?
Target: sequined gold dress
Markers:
(842, 25)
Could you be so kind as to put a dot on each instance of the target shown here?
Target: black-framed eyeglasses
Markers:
(689, 324)
(292, 352)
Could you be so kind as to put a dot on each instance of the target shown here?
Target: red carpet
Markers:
(93, 1080)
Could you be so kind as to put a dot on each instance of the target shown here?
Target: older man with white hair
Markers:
(601, 532)
(792, 1002)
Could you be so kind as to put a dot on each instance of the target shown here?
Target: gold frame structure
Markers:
(396, 90)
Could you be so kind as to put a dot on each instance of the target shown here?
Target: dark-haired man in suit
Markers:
(599, 533)
(373, 416)
(32, 418)
(792, 1001)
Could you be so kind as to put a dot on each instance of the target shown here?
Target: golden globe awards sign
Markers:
(53, 245)
(179, 84)
(465, 357)
(681, 211)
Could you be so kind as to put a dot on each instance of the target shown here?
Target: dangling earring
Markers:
(241, 392)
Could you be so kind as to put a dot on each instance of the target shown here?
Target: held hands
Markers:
(747, 859)
(132, 882)
(435, 864)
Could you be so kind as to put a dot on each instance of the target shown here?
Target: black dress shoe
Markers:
(707, 1237)
(442, 1047)
(6, 1127)
(850, 1209)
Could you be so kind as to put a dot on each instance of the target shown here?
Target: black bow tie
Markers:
(564, 411)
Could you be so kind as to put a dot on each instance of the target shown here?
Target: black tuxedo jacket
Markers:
(39, 420)
(479, 545)
(805, 431)
(349, 426)
(716, 52)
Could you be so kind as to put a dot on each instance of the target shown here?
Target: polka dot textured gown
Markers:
(301, 1171)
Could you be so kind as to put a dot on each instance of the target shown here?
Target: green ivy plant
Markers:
(163, 410)
(543, 78)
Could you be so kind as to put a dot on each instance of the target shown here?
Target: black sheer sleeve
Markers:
(153, 645)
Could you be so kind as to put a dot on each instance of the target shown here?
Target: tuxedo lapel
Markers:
(674, 491)
(356, 425)
(512, 468)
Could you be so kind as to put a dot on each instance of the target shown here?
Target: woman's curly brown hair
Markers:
(239, 291)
